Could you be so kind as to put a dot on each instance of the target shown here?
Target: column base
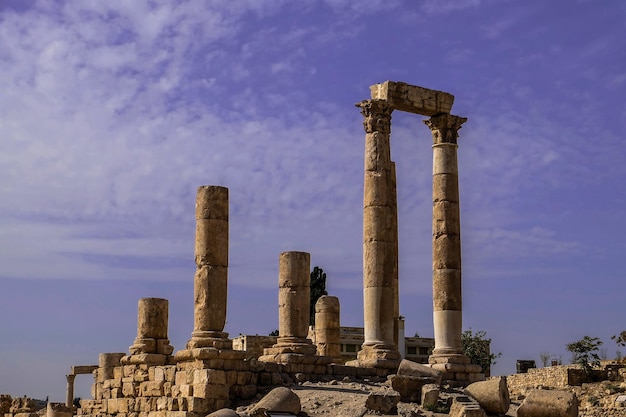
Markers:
(212, 339)
(295, 350)
(377, 356)
(151, 345)
(456, 369)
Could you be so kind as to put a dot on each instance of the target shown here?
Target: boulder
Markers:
(492, 395)
(224, 412)
(382, 401)
(410, 379)
(280, 399)
(549, 403)
(430, 396)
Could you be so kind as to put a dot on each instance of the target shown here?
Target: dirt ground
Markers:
(347, 398)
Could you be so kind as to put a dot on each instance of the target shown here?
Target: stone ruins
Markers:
(153, 381)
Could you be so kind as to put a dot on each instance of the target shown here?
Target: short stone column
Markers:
(448, 354)
(328, 327)
(294, 282)
(211, 277)
(106, 363)
(151, 344)
(69, 393)
(379, 240)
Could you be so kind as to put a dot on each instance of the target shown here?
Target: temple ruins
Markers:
(208, 373)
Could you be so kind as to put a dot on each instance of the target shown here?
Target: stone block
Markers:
(209, 376)
(430, 396)
(210, 391)
(383, 402)
(184, 377)
(412, 98)
(466, 407)
(553, 403)
(280, 399)
(151, 389)
(492, 395)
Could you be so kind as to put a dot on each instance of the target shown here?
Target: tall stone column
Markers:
(379, 239)
(211, 277)
(69, 393)
(447, 297)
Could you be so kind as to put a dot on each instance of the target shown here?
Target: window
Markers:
(424, 350)
(350, 348)
(411, 350)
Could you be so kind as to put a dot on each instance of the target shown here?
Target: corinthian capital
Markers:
(377, 114)
(445, 128)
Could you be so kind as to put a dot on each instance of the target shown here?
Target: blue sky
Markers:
(113, 113)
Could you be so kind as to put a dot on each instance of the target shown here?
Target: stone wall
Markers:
(550, 376)
(253, 344)
(196, 388)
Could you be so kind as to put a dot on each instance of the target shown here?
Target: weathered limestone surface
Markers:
(466, 407)
(549, 403)
(292, 346)
(413, 99)
(379, 240)
(492, 395)
(211, 277)
(280, 399)
(152, 321)
(328, 327)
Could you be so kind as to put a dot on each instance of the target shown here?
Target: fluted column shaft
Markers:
(379, 240)
(447, 297)
(69, 393)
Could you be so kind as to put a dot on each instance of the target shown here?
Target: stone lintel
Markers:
(83, 369)
(413, 99)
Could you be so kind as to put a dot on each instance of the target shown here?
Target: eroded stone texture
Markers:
(211, 277)
(413, 99)
(447, 296)
(152, 317)
(549, 403)
(492, 395)
(328, 327)
(379, 239)
(294, 282)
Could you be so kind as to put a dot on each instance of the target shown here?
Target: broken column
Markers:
(327, 327)
(151, 344)
(379, 240)
(293, 310)
(211, 277)
(448, 354)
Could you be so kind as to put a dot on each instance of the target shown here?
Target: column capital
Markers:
(70, 377)
(445, 128)
(377, 114)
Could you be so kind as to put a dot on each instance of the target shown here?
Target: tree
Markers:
(274, 333)
(318, 288)
(585, 352)
(545, 357)
(620, 339)
(477, 347)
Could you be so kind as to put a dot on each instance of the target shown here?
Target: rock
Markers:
(409, 410)
(549, 403)
(410, 379)
(413, 369)
(466, 407)
(279, 399)
(224, 412)
(5, 403)
(492, 395)
(430, 396)
(382, 401)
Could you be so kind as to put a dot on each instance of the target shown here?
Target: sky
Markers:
(113, 113)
